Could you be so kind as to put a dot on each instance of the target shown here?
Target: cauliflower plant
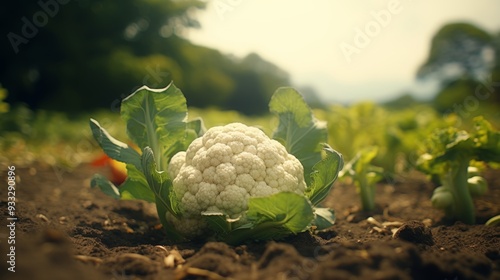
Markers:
(232, 183)
(221, 170)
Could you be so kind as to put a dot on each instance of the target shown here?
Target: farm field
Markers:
(66, 229)
(250, 140)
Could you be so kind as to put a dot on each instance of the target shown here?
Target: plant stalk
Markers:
(367, 195)
(464, 206)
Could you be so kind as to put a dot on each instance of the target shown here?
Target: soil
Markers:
(66, 230)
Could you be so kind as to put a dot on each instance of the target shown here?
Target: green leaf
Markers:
(136, 186)
(449, 144)
(297, 130)
(273, 217)
(159, 183)
(250, 231)
(364, 175)
(324, 173)
(360, 163)
(364, 158)
(359, 166)
(194, 129)
(324, 218)
(156, 118)
(427, 163)
(372, 177)
(105, 186)
(161, 186)
(113, 148)
(218, 222)
(486, 140)
(291, 211)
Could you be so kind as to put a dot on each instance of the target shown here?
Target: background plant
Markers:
(364, 175)
(449, 155)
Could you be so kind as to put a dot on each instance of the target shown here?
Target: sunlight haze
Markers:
(305, 38)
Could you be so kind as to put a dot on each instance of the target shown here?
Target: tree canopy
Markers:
(459, 49)
(80, 55)
(465, 59)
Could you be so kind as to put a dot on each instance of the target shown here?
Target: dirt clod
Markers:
(415, 232)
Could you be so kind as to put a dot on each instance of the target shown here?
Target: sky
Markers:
(348, 51)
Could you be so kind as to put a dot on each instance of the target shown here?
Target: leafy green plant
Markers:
(364, 175)
(397, 132)
(181, 166)
(449, 153)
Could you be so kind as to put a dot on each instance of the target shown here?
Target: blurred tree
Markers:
(495, 72)
(405, 100)
(463, 58)
(205, 81)
(256, 80)
(459, 49)
(84, 54)
(454, 94)
(80, 55)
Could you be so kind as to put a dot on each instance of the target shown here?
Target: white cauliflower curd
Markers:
(221, 170)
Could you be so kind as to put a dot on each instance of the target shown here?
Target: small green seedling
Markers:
(449, 154)
(364, 175)
(495, 221)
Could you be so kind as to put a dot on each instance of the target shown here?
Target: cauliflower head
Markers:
(221, 170)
